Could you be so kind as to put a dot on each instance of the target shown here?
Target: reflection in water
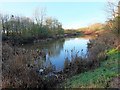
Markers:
(54, 48)
(57, 51)
(70, 47)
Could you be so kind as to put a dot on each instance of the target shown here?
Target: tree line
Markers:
(25, 27)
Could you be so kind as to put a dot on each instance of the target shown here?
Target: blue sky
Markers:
(71, 15)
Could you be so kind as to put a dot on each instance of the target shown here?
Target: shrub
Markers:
(66, 64)
(17, 69)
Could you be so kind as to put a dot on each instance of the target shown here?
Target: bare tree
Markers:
(7, 24)
(113, 16)
(39, 15)
(2, 23)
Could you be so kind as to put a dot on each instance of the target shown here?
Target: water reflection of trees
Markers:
(54, 49)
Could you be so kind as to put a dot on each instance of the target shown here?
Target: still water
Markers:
(57, 51)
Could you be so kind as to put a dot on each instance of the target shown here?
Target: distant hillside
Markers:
(96, 26)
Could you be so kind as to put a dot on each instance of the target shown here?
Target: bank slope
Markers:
(98, 78)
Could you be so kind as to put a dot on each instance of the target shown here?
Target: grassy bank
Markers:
(98, 78)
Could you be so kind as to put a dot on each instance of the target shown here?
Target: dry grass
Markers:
(16, 71)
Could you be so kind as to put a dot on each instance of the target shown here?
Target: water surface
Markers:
(57, 51)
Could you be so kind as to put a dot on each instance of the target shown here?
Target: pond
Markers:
(57, 51)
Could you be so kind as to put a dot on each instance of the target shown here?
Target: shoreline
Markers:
(20, 41)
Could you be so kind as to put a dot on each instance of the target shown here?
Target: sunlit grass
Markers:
(98, 78)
